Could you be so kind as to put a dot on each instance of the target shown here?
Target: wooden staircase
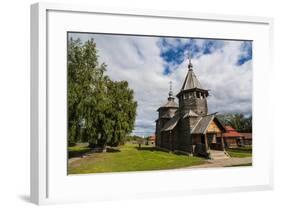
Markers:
(218, 155)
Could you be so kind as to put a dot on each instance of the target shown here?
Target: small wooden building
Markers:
(232, 138)
(151, 139)
(246, 138)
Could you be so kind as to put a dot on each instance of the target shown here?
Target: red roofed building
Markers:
(231, 137)
(247, 138)
(152, 139)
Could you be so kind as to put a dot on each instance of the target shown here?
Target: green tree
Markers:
(74, 86)
(122, 111)
(238, 121)
(100, 111)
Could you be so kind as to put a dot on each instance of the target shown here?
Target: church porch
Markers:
(209, 145)
(207, 135)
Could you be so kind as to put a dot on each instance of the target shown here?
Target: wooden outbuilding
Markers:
(151, 139)
(232, 138)
(246, 138)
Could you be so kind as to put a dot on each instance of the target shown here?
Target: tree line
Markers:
(100, 111)
(238, 121)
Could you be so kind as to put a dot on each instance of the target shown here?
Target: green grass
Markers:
(129, 158)
(240, 152)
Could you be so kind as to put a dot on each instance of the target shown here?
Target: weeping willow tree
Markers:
(100, 111)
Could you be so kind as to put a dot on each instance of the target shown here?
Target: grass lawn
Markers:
(240, 152)
(129, 158)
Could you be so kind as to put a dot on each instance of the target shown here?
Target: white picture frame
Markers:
(49, 181)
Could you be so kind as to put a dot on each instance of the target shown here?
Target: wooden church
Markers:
(187, 127)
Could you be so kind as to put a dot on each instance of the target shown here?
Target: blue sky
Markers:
(175, 54)
(150, 63)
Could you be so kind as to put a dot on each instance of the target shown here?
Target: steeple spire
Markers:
(192, 95)
(191, 80)
(171, 104)
(171, 97)
(171, 91)
(190, 66)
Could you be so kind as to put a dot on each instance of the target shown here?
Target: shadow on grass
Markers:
(84, 151)
(78, 153)
(181, 153)
(242, 150)
(155, 149)
(247, 164)
(150, 149)
(109, 149)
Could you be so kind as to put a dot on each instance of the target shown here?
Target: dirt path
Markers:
(71, 160)
(224, 162)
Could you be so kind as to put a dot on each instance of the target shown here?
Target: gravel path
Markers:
(224, 162)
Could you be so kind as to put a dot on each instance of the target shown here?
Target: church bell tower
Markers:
(192, 96)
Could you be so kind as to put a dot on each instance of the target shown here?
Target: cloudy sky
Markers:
(149, 63)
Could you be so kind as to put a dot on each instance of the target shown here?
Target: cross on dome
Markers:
(171, 90)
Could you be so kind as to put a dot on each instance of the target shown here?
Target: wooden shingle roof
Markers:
(191, 81)
(170, 104)
(171, 124)
(203, 124)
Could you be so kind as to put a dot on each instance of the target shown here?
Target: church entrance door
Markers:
(213, 142)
